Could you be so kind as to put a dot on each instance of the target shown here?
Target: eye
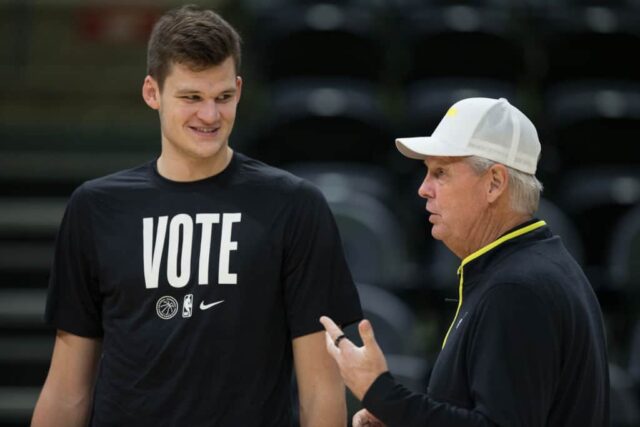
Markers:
(436, 172)
(191, 98)
(225, 97)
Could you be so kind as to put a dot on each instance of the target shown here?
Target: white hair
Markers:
(524, 188)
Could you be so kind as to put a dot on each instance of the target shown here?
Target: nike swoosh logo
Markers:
(204, 306)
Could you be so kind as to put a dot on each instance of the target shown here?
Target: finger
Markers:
(371, 420)
(331, 328)
(366, 333)
(358, 419)
(363, 418)
(336, 335)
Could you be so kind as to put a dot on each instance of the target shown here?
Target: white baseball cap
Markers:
(484, 127)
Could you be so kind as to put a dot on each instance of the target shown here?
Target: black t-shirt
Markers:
(197, 290)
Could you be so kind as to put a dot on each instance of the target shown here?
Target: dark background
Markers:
(327, 88)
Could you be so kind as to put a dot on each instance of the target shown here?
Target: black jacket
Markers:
(526, 347)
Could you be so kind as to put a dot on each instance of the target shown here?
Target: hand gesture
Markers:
(364, 418)
(359, 366)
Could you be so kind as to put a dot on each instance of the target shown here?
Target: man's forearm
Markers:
(53, 410)
(327, 408)
(395, 405)
(321, 390)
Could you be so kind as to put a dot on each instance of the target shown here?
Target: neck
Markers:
(185, 170)
(488, 230)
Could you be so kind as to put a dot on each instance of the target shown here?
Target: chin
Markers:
(436, 232)
(209, 149)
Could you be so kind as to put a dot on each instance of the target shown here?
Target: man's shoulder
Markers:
(538, 268)
(260, 169)
(256, 172)
(119, 180)
(117, 183)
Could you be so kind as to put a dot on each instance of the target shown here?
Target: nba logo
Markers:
(187, 305)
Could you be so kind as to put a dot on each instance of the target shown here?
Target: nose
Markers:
(209, 112)
(426, 188)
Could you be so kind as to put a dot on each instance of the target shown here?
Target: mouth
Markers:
(205, 131)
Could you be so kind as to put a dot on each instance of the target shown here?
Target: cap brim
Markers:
(423, 146)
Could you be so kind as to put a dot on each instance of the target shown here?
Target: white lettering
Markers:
(226, 246)
(180, 248)
(152, 254)
(179, 222)
(205, 245)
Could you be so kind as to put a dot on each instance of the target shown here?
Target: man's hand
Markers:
(359, 366)
(364, 418)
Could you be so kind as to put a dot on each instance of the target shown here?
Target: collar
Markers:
(514, 233)
(517, 231)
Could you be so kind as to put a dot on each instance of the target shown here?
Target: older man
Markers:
(526, 346)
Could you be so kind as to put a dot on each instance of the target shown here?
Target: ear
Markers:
(151, 92)
(238, 87)
(498, 179)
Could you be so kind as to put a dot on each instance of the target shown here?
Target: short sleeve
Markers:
(513, 356)
(317, 279)
(73, 301)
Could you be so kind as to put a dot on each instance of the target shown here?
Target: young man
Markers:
(186, 290)
(527, 344)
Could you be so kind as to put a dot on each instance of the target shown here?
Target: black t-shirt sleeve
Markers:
(317, 279)
(73, 302)
(510, 366)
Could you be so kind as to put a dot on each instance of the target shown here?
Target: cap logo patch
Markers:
(452, 112)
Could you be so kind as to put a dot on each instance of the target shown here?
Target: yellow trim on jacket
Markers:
(480, 252)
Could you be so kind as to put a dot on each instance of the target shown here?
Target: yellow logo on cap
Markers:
(452, 112)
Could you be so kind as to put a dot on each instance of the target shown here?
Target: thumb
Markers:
(366, 333)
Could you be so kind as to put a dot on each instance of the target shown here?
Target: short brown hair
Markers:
(192, 36)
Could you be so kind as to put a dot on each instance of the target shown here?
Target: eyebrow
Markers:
(444, 161)
(187, 91)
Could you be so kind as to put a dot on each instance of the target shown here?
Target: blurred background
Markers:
(327, 88)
